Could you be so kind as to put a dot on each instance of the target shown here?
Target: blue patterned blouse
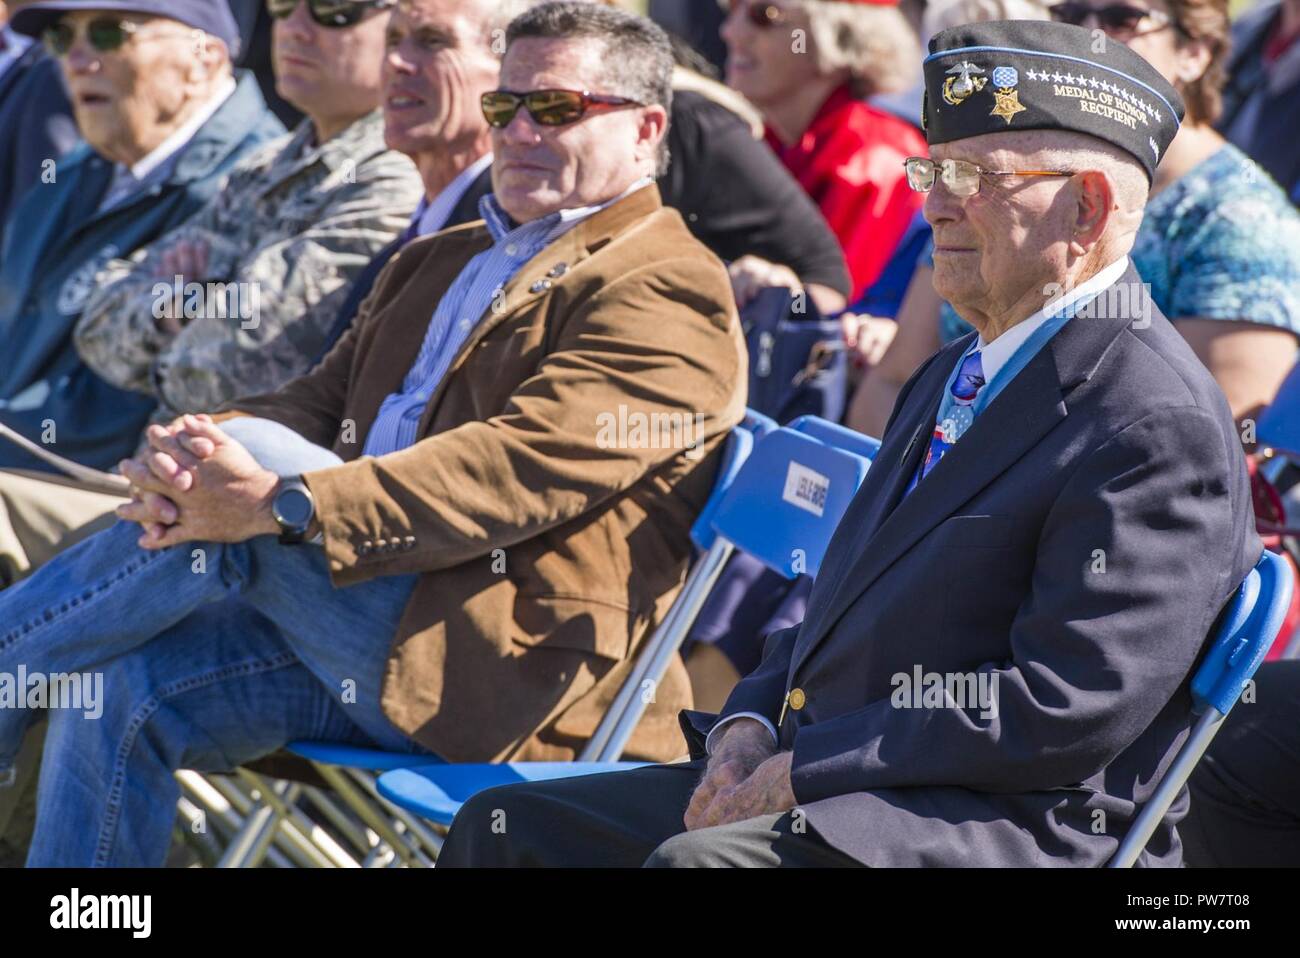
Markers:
(1222, 242)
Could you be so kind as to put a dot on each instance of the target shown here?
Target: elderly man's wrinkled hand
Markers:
(765, 792)
(745, 745)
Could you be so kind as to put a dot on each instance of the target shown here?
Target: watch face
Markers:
(293, 507)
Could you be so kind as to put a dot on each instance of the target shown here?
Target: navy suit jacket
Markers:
(1078, 543)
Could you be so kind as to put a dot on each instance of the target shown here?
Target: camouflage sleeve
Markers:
(281, 303)
(117, 334)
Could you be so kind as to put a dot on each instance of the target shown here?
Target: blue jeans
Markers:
(211, 655)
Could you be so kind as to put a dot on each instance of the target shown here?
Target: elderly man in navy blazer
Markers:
(995, 663)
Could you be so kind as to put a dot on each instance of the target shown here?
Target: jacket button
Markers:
(797, 699)
(394, 543)
(365, 548)
(408, 542)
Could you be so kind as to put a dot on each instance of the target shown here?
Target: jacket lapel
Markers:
(466, 210)
(541, 275)
(895, 463)
(1025, 411)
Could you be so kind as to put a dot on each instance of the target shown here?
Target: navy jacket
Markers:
(36, 124)
(1079, 543)
(57, 243)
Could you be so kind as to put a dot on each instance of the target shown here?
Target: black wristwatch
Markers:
(294, 509)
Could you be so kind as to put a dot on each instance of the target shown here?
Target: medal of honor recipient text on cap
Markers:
(1038, 75)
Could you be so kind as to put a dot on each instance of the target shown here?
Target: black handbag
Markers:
(798, 363)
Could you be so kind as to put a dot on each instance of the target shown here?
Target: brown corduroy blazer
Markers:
(547, 501)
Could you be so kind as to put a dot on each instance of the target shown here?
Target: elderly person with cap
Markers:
(809, 65)
(1057, 516)
(166, 120)
(274, 256)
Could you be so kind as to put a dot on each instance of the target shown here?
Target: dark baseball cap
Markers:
(210, 16)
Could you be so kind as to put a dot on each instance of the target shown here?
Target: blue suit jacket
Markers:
(1078, 543)
(36, 124)
(57, 242)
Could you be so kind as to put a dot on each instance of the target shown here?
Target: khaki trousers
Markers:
(42, 514)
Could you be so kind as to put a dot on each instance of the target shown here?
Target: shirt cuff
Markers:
(708, 742)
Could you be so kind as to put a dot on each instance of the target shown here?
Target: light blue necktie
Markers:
(955, 416)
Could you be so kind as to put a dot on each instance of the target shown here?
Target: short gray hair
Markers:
(638, 55)
(874, 43)
(499, 19)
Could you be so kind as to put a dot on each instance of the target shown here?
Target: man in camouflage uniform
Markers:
(262, 270)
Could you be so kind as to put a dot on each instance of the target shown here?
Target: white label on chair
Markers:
(806, 489)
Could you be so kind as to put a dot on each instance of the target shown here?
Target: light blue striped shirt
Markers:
(463, 307)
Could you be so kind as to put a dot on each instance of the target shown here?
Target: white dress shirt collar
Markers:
(994, 355)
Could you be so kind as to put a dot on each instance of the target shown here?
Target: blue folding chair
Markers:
(349, 770)
(782, 509)
(1249, 628)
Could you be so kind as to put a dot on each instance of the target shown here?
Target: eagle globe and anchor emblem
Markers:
(963, 82)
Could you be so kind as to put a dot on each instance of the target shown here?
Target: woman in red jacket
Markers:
(809, 65)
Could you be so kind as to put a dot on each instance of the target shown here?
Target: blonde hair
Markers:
(944, 14)
(875, 44)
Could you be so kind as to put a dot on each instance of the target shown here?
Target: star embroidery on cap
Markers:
(1069, 78)
(1092, 82)
(1057, 77)
(1156, 114)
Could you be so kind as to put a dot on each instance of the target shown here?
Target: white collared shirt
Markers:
(432, 215)
(126, 180)
(994, 355)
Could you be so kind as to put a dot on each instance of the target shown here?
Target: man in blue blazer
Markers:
(995, 662)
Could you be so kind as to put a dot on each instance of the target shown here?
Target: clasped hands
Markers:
(195, 483)
(746, 777)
